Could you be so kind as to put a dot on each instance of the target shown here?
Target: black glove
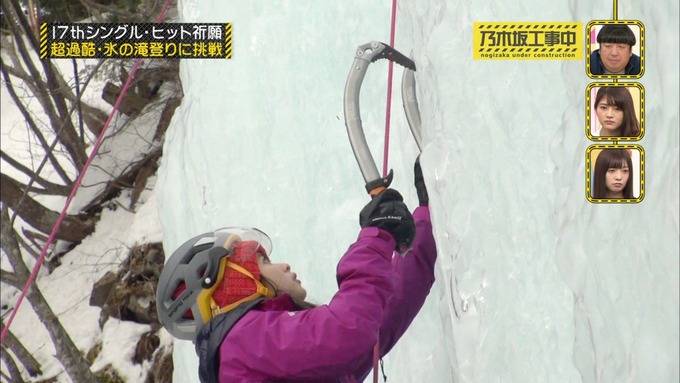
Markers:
(387, 211)
(423, 198)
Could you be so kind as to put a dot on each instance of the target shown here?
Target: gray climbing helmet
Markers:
(192, 273)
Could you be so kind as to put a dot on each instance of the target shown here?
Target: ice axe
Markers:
(365, 55)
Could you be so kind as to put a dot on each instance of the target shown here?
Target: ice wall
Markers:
(535, 284)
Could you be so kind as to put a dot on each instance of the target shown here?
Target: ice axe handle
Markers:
(377, 186)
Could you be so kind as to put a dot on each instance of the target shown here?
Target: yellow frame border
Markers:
(642, 48)
(523, 52)
(615, 84)
(642, 173)
(227, 41)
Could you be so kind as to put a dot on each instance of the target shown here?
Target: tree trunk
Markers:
(132, 103)
(68, 354)
(73, 228)
(48, 94)
(14, 373)
(24, 356)
(70, 357)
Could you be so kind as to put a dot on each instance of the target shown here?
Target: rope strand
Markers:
(388, 113)
(388, 107)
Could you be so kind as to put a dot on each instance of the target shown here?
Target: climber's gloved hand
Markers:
(387, 211)
(423, 198)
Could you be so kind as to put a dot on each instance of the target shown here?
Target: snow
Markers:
(68, 287)
(534, 283)
(68, 290)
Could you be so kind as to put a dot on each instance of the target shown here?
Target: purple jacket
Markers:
(277, 342)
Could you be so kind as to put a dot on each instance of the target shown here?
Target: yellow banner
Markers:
(135, 40)
(527, 41)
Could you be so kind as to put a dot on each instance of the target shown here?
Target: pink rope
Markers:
(388, 113)
(76, 186)
(388, 108)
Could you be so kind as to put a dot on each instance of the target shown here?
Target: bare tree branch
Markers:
(10, 246)
(69, 136)
(93, 117)
(21, 353)
(79, 104)
(50, 97)
(16, 16)
(33, 241)
(73, 228)
(33, 126)
(58, 96)
(16, 69)
(91, 5)
(73, 361)
(14, 373)
(125, 179)
(10, 278)
(49, 188)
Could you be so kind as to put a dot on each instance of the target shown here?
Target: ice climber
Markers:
(247, 316)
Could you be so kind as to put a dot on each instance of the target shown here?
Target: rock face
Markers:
(161, 367)
(102, 288)
(146, 346)
(130, 294)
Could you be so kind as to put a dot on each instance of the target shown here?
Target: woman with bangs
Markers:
(616, 113)
(612, 177)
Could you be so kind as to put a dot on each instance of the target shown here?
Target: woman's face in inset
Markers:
(610, 117)
(617, 179)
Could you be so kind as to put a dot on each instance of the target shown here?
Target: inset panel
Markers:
(615, 49)
(615, 111)
(615, 173)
